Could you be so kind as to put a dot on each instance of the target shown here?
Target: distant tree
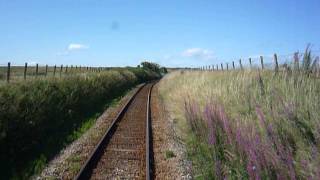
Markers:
(163, 70)
(151, 66)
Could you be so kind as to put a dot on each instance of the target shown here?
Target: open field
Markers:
(16, 73)
(247, 124)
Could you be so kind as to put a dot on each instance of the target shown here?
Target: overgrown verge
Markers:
(38, 118)
(248, 124)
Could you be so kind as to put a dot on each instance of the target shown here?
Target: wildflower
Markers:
(209, 118)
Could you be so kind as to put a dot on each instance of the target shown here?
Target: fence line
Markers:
(275, 63)
(11, 72)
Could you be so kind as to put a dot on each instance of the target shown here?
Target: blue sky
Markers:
(172, 33)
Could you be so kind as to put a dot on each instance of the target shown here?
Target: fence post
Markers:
(240, 64)
(37, 69)
(54, 70)
(66, 69)
(276, 62)
(221, 66)
(46, 69)
(217, 67)
(8, 72)
(212, 67)
(250, 62)
(227, 66)
(25, 71)
(233, 65)
(261, 60)
(61, 68)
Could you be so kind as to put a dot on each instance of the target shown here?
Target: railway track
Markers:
(124, 150)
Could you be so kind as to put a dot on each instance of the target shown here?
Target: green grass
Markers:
(38, 118)
(289, 101)
(169, 154)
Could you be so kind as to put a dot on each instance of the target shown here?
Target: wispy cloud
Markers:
(198, 53)
(32, 62)
(71, 48)
(75, 46)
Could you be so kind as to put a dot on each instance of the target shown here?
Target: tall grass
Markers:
(38, 118)
(249, 124)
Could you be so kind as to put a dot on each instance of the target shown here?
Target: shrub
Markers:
(36, 117)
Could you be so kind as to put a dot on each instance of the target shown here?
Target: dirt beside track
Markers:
(165, 140)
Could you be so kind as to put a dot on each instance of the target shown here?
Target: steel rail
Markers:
(87, 168)
(148, 137)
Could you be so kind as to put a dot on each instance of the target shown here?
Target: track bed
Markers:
(122, 152)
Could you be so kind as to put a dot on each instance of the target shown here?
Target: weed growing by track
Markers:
(248, 124)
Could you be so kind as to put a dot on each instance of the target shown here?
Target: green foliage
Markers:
(38, 118)
(151, 66)
(169, 154)
(163, 70)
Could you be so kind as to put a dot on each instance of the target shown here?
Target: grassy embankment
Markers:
(248, 124)
(40, 117)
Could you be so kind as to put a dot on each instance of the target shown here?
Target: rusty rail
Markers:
(148, 138)
(87, 169)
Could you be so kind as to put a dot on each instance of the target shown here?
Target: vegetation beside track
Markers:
(38, 118)
(248, 124)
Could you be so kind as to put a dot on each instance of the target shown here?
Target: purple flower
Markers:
(210, 125)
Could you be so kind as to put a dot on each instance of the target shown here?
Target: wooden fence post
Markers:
(250, 62)
(217, 67)
(66, 69)
(37, 69)
(240, 64)
(221, 66)
(54, 70)
(261, 61)
(8, 72)
(46, 69)
(61, 68)
(25, 71)
(227, 66)
(233, 65)
(276, 63)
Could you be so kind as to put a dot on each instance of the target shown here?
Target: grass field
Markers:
(17, 72)
(247, 124)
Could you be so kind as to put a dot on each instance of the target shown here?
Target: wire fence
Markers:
(14, 72)
(270, 62)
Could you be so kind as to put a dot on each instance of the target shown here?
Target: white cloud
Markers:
(75, 46)
(32, 63)
(198, 53)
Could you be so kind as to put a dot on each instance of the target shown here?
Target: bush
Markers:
(36, 117)
(151, 66)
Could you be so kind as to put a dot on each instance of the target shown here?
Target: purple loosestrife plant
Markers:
(210, 125)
